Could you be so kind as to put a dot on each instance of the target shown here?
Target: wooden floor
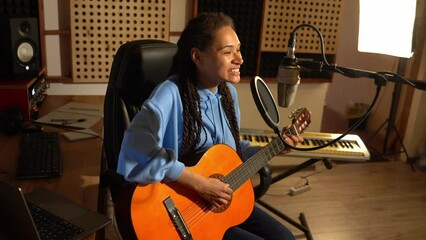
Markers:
(378, 200)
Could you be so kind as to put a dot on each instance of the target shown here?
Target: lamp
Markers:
(386, 27)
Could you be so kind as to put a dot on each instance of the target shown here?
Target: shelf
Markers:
(65, 32)
(55, 41)
(59, 79)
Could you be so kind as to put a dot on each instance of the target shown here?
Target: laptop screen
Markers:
(15, 219)
(17, 222)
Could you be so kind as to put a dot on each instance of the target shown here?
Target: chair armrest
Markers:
(265, 177)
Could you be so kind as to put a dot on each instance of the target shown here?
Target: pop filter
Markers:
(265, 103)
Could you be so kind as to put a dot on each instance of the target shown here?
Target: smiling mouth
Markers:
(235, 70)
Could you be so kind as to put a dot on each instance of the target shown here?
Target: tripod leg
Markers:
(302, 227)
(305, 224)
(377, 131)
(409, 160)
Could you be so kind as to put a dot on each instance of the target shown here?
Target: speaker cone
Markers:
(24, 28)
(25, 52)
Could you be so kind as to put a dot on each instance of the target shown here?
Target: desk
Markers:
(81, 159)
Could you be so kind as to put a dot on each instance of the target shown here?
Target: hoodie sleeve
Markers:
(144, 157)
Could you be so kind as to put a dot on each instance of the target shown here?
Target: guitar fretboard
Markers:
(251, 166)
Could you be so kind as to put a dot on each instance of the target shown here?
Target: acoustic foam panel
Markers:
(99, 28)
(282, 16)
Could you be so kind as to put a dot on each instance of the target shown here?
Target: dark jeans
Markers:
(259, 225)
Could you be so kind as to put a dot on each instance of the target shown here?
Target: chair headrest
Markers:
(138, 67)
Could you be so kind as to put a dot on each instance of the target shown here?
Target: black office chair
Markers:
(137, 68)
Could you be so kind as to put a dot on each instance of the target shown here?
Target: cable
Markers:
(380, 78)
(298, 187)
(71, 130)
(353, 127)
(319, 35)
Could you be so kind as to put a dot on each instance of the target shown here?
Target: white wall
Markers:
(97, 89)
(415, 137)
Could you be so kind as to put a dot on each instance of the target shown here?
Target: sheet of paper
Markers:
(80, 134)
(82, 108)
(74, 114)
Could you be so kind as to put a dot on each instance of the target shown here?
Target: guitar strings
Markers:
(196, 211)
(239, 175)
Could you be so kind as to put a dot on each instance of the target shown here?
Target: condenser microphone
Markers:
(288, 77)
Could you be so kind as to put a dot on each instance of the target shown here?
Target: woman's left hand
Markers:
(292, 140)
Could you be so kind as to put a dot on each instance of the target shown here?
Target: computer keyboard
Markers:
(40, 156)
(50, 226)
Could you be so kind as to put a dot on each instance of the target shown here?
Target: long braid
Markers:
(187, 138)
(228, 105)
(191, 118)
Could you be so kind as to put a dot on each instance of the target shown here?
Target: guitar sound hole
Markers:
(223, 207)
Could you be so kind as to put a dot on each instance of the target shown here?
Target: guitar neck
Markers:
(251, 166)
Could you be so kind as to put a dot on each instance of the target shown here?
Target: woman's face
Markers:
(221, 61)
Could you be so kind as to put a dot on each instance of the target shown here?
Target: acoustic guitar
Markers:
(171, 211)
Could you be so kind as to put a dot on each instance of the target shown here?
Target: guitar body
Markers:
(151, 219)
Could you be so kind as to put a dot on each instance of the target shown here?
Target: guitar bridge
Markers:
(177, 219)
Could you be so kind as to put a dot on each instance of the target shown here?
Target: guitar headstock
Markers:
(301, 118)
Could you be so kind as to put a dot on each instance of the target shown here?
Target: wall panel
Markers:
(99, 28)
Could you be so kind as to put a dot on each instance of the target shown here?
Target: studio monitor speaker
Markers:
(19, 48)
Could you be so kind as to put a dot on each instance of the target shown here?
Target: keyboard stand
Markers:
(303, 225)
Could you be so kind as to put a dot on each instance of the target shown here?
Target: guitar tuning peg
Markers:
(294, 112)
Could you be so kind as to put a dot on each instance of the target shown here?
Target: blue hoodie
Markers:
(151, 144)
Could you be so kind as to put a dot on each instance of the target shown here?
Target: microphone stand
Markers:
(381, 79)
(390, 121)
(303, 225)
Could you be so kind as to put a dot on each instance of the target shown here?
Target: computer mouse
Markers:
(33, 128)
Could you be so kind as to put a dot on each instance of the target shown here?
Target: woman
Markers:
(193, 110)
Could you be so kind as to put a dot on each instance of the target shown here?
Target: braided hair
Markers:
(199, 33)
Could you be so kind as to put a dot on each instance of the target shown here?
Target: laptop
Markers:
(17, 221)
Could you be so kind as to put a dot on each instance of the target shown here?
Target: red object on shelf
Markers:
(24, 95)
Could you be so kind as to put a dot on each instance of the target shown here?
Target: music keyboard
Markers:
(351, 147)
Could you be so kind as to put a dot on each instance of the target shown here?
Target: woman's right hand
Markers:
(216, 192)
